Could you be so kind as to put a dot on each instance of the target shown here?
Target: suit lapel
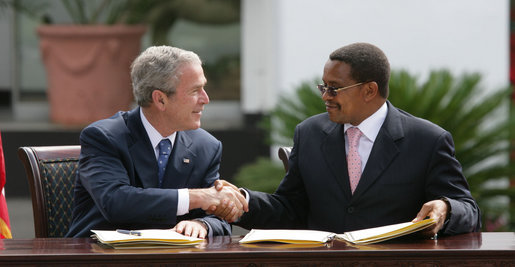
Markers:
(333, 150)
(383, 151)
(180, 164)
(141, 151)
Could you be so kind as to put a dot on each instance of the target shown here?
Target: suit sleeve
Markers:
(103, 171)
(287, 207)
(445, 179)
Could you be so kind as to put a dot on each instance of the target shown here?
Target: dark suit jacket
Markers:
(117, 181)
(412, 161)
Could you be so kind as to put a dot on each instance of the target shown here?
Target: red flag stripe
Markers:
(5, 226)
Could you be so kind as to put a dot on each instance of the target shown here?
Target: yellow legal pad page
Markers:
(146, 238)
(383, 233)
(363, 237)
(287, 236)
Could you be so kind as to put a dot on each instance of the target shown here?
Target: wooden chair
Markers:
(51, 172)
(284, 155)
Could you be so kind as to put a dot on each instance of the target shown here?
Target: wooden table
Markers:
(475, 249)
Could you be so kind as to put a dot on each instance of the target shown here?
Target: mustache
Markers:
(331, 104)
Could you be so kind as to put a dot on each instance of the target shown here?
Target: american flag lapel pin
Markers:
(185, 160)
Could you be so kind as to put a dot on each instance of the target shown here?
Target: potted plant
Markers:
(87, 61)
(87, 69)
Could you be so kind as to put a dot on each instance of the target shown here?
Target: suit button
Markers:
(350, 209)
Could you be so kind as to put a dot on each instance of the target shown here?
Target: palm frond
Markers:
(480, 125)
(293, 108)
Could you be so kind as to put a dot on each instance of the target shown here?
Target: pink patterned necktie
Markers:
(353, 159)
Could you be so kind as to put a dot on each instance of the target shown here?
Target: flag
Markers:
(5, 226)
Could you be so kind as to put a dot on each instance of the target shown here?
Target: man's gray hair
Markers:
(158, 68)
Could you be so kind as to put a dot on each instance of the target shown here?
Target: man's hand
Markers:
(224, 210)
(219, 184)
(436, 210)
(191, 228)
(231, 202)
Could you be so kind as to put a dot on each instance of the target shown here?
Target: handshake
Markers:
(223, 200)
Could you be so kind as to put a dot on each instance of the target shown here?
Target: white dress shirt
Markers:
(183, 201)
(370, 128)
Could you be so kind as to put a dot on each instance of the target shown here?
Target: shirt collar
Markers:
(154, 136)
(370, 126)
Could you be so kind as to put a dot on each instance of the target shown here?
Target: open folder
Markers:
(150, 238)
(360, 237)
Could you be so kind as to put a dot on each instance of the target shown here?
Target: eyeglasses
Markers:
(333, 91)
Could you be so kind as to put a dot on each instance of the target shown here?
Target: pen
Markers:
(128, 232)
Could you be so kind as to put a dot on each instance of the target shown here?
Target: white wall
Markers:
(259, 67)
(5, 48)
(288, 41)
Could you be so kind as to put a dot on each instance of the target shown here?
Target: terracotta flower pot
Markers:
(88, 70)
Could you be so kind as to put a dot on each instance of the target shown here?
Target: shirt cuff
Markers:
(246, 194)
(183, 201)
(449, 211)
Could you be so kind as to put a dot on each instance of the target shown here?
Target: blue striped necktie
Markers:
(165, 147)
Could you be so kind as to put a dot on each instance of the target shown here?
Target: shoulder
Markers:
(201, 141)
(421, 123)
(110, 128)
(201, 136)
(117, 120)
(401, 121)
(317, 124)
(319, 121)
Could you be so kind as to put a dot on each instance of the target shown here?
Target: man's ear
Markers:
(159, 99)
(370, 91)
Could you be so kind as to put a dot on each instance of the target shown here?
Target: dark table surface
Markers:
(466, 250)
